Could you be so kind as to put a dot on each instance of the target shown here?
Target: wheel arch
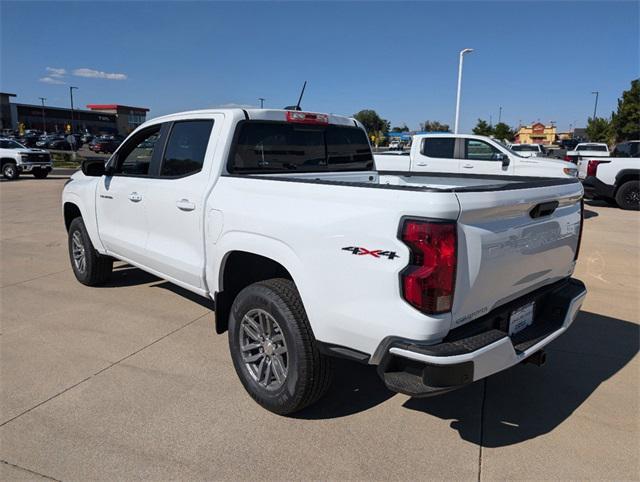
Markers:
(5, 160)
(239, 269)
(626, 175)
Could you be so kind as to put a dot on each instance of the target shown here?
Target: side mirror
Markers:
(504, 158)
(94, 168)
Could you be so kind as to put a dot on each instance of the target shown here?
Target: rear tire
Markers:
(273, 348)
(10, 171)
(40, 173)
(628, 195)
(90, 267)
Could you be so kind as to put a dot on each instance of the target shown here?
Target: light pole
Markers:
(499, 114)
(71, 95)
(261, 99)
(462, 52)
(44, 124)
(595, 107)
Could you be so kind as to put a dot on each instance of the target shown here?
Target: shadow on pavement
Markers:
(600, 203)
(525, 401)
(590, 214)
(355, 388)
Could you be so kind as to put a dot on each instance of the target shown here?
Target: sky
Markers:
(538, 60)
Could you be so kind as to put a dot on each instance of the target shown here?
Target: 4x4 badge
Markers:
(376, 253)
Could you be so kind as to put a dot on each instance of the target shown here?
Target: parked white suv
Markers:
(309, 253)
(16, 159)
(466, 153)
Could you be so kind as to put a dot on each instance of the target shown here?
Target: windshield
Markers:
(269, 147)
(525, 148)
(592, 147)
(9, 144)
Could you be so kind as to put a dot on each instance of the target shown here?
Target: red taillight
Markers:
(428, 283)
(575, 258)
(592, 167)
(306, 117)
(568, 158)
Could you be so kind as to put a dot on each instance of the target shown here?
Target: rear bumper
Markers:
(482, 347)
(594, 187)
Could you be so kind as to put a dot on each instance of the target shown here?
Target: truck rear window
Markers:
(269, 147)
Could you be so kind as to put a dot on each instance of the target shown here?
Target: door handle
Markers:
(468, 166)
(422, 164)
(135, 197)
(185, 205)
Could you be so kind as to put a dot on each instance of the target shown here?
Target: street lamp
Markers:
(71, 95)
(44, 124)
(261, 99)
(462, 52)
(500, 115)
(595, 107)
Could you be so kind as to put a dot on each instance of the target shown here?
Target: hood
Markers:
(548, 161)
(31, 151)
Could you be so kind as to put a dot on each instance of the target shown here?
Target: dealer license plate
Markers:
(521, 318)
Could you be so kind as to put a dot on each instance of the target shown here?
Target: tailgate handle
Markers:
(543, 209)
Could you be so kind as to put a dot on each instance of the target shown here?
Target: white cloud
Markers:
(52, 80)
(98, 74)
(56, 72)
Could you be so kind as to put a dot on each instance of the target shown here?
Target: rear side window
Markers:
(441, 147)
(186, 147)
(270, 147)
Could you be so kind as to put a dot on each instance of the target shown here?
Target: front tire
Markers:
(273, 348)
(10, 171)
(628, 195)
(40, 173)
(90, 267)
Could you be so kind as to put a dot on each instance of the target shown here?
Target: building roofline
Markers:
(114, 107)
(8, 93)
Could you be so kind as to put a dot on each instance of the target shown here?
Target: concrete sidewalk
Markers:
(130, 381)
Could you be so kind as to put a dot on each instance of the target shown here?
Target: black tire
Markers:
(10, 171)
(96, 268)
(628, 195)
(40, 173)
(308, 373)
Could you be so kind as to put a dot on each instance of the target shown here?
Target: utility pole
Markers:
(462, 52)
(595, 107)
(499, 114)
(261, 99)
(44, 123)
(71, 95)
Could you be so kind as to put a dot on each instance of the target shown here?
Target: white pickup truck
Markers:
(466, 153)
(16, 159)
(587, 149)
(615, 178)
(309, 253)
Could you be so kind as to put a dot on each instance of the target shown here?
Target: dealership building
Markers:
(98, 119)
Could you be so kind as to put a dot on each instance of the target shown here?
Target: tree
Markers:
(375, 125)
(625, 123)
(503, 132)
(433, 126)
(404, 128)
(483, 128)
(599, 129)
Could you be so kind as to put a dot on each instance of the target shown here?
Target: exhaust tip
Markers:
(539, 358)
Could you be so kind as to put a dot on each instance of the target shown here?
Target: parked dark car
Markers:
(44, 142)
(569, 144)
(627, 149)
(106, 145)
(59, 145)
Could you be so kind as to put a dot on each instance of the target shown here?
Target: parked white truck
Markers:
(467, 153)
(16, 159)
(615, 178)
(587, 149)
(309, 253)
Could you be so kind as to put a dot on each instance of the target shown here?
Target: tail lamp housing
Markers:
(428, 282)
(575, 258)
(592, 167)
(307, 117)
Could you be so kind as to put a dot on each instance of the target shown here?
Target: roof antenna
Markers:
(297, 106)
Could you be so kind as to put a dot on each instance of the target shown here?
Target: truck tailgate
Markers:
(512, 242)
